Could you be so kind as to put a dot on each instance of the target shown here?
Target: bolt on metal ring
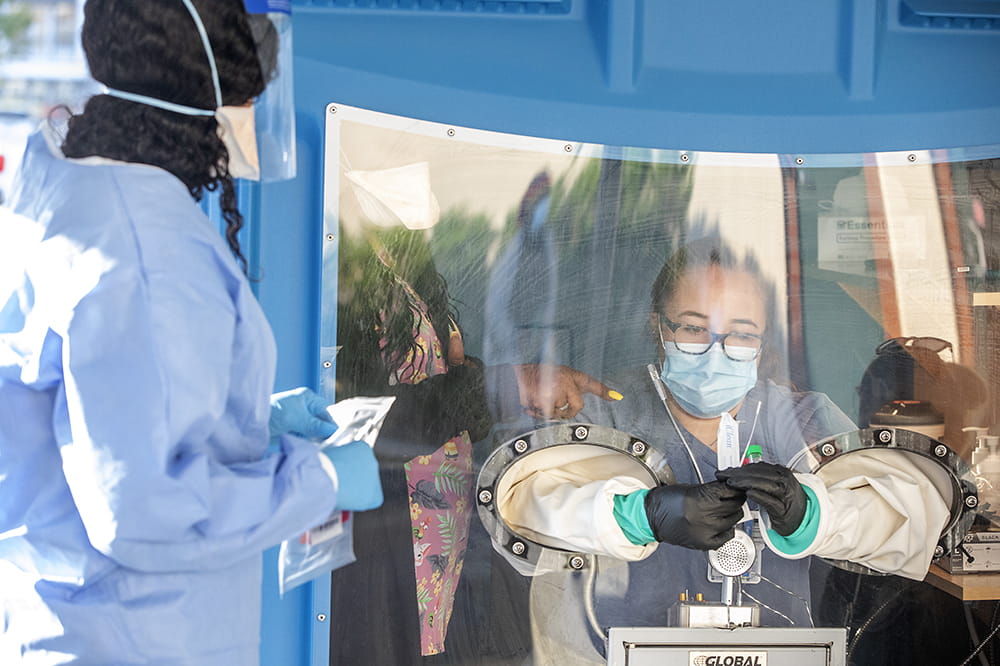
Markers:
(638, 448)
(520, 446)
(940, 450)
(485, 496)
(581, 432)
(576, 562)
(518, 548)
(828, 449)
(884, 436)
(938, 551)
(971, 501)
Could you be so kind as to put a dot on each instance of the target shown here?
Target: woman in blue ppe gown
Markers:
(137, 488)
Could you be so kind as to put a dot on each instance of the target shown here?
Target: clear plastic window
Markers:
(500, 284)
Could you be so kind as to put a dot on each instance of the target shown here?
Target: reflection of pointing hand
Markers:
(550, 391)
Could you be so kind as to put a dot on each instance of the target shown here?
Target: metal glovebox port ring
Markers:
(651, 461)
(931, 453)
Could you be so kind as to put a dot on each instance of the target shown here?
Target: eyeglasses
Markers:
(692, 339)
(935, 345)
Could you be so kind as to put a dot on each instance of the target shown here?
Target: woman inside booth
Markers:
(711, 316)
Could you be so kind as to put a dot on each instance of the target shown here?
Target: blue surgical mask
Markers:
(706, 385)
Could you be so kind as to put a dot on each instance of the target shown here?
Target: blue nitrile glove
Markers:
(300, 412)
(359, 487)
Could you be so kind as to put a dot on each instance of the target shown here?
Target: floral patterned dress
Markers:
(440, 492)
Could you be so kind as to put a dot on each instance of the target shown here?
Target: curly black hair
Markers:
(376, 312)
(153, 48)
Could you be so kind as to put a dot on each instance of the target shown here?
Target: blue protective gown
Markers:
(137, 492)
(641, 593)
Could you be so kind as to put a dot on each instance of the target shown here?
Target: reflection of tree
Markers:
(613, 224)
(639, 222)
(14, 21)
(461, 241)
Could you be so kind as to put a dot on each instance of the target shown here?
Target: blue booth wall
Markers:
(776, 76)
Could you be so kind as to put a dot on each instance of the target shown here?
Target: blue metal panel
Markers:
(827, 76)
(284, 243)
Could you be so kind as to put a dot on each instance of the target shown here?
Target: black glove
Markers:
(775, 488)
(701, 517)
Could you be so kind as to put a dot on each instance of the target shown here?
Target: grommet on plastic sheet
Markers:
(451, 132)
(321, 617)
(329, 237)
(799, 161)
(685, 157)
(327, 364)
(568, 148)
(333, 109)
(911, 157)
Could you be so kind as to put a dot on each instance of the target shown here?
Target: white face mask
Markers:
(237, 129)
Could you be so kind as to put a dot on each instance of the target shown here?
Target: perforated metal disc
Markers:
(735, 557)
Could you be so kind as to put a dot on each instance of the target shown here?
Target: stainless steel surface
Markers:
(754, 646)
(714, 614)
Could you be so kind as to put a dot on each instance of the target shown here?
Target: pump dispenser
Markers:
(986, 467)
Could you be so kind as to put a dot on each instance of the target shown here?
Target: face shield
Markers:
(274, 110)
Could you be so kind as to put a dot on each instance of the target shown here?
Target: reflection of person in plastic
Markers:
(521, 298)
(710, 316)
(400, 338)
